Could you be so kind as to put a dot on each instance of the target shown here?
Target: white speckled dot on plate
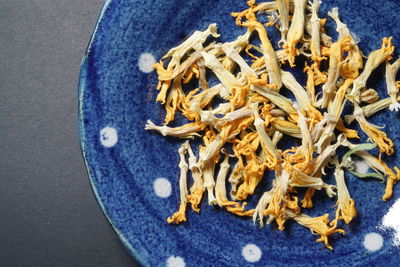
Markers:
(162, 187)
(361, 166)
(134, 173)
(175, 261)
(373, 241)
(108, 136)
(251, 253)
(146, 62)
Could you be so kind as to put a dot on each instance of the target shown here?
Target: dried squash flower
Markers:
(371, 109)
(271, 62)
(296, 31)
(196, 39)
(186, 131)
(232, 104)
(317, 225)
(326, 40)
(374, 60)
(269, 149)
(279, 100)
(300, 94)
(238, 46)
(384, 143)
(346, 209)
(283, 10)
(392, 86)
(180, 215)
(315, 32)
(197, 189)
(350, 67)
(335, 64)
(220, 190)
(379, 166)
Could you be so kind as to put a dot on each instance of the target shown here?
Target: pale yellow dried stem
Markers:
(369, 96)
(315, 31)
(326, 40)
(392, 87)
(283, 10)
(186, 131)
(296, 31)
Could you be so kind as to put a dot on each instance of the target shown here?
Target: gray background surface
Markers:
(49, 216)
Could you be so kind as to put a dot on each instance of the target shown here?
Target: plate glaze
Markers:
(116, 97)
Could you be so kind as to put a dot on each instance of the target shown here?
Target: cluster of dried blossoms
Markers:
(253, 116)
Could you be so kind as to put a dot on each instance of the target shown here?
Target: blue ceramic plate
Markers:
(134, 173)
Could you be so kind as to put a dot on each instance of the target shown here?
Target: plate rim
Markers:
(82, 82)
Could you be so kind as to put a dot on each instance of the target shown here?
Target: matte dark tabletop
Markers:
(49, 216)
